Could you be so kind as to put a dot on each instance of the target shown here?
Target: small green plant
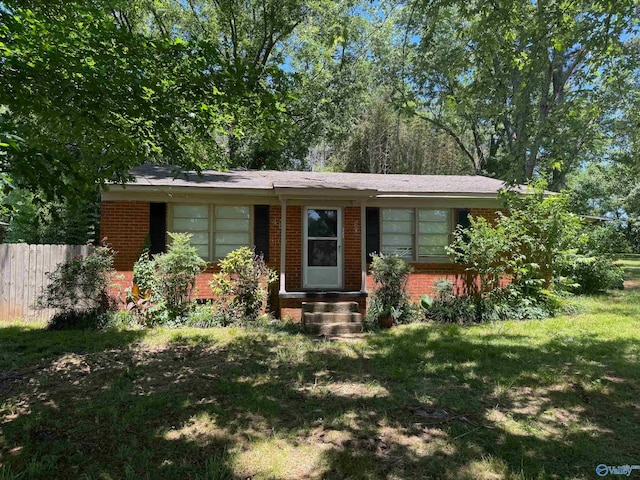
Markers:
(243, 281)
(139, 303)
(426, 301)
(175, 275)
(447, 307)
(80, 286)
(144, 271)
(390, 274)
(206, 316)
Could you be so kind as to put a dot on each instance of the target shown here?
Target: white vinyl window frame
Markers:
(415, 233)
(211, 208)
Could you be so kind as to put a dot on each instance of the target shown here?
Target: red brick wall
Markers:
(126, 226)
(293, 257)
(490, 214)
(425, 275)
(352, 269)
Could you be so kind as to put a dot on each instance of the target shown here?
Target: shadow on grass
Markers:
(21, 345)
(426, 402)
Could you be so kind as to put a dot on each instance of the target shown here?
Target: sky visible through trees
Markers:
(510, 89)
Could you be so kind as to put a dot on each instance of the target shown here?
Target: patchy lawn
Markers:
(631, 265)
(528, 400)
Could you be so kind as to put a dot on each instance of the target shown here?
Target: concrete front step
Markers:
(331, 318)
(333, 328)
(324, 317)
(330, 307)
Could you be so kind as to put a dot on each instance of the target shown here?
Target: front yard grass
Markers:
(515, 400)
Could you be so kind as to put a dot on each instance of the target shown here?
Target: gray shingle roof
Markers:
(167, 176)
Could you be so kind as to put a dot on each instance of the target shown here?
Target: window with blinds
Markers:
(415, 233)
(216, 230)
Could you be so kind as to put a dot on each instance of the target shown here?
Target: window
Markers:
(407, 231)
(231, 230)
(434, 228)
(216, 230)
(397, 232)
(193, 219)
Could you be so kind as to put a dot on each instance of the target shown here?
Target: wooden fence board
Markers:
(24, 273)
(4, 279)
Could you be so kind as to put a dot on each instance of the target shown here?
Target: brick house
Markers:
(317, 230)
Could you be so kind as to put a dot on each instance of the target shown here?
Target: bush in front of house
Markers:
(501, 304)
(525, 246)
(163, 284)
(525, 263)
(448, 306)
(389, 297)
(242, 285)
(81, 289)
(591, 273)
(175, 275)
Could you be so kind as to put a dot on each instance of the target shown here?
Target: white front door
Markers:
(322, 248)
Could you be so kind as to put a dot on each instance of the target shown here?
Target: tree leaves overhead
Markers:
(516, 84)
(93, 88)
(89, 89)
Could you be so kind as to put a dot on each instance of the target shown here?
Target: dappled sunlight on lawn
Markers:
(509, 400)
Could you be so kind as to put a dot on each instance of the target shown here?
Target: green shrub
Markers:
(588, 274)
(122, 319)
(503, 303)
(79, 320)
(175, 276)
(206, 316)
(390, 274)
(243, 283)
(606, 240)
(144, 272)
(81, 288)
(447, 307)
(527, 249)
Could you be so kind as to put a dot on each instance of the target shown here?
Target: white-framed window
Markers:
(415, 233)
(398, 232)
(434, 228)
(193, 219)
(231, 229)
(216, 229)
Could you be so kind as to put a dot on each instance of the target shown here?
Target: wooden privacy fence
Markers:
(23, 271)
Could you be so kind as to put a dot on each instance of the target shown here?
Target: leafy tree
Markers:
(90, 89)
(34, 220)
(90, 96)
(517, 85)
(387, 141)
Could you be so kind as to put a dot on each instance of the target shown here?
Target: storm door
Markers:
(322, 248)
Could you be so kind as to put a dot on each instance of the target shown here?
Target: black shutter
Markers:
(261, 230)
(463, 218)
(157, 227)
(373, 232)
